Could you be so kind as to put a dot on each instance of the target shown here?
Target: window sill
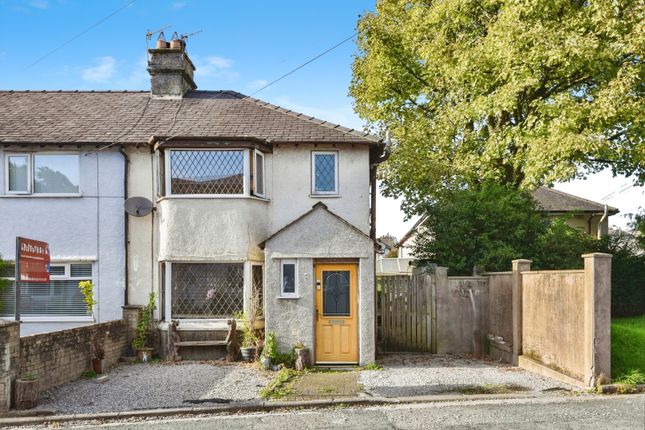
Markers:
(51, 319)
(43, 195)
(324, 196)
(211, 197)
(288, 297)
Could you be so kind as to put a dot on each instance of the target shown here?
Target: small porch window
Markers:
(289, 278)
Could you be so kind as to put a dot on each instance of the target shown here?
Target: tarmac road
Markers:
(615, 412)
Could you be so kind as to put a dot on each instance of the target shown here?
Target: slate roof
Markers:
(558, 201)
(132, 117)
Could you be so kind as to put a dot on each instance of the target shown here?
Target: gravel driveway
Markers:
(417, 375)
(146, 386)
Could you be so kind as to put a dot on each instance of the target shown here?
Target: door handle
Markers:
(316, 314)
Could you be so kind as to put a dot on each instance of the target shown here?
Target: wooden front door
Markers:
(336, 313)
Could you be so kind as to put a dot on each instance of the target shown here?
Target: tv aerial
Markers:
(138, 206)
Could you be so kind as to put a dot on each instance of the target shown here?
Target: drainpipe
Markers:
(126, 165)
(373, 166)
(602, 219)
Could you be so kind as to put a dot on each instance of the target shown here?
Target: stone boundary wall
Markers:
(61, 356)
(56, 357)
(553, 319)
(462, 314)
(565, 324)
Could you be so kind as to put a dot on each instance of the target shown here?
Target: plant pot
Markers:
(266, 363)
(303, 358)
(97, 365)
(26, 393)
(248, 353)
(144, 354)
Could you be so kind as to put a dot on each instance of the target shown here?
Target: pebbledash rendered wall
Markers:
(318, 236)
(195, 229)
(88, 227)
(56, 357)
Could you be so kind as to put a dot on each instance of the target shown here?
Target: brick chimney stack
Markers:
(170, 68)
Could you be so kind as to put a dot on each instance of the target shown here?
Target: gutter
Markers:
(126, 165)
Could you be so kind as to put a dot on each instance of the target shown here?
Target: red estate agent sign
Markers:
(33, 259)
(32, 265)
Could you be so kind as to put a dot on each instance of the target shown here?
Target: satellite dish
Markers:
(138, 206)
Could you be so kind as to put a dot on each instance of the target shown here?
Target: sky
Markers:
(239, 46)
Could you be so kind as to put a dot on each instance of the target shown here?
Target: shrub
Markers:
(145, 324)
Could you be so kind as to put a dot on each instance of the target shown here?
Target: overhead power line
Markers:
(304, 64)
(67, 42)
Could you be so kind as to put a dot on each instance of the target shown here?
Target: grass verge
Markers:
(628, 350)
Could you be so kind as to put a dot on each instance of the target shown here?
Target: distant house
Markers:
(585, 215)
(248, 199)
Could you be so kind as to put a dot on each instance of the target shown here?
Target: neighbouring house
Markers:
(56, 187)
(248, 199)
(582, 214)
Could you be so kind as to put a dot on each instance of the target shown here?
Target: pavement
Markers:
(597, 412)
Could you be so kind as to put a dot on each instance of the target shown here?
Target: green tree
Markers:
(485, 227)
(523, 93)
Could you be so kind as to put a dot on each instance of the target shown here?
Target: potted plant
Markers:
(303, 356)
(87, 290)
(146, 327)
(98, 354)
(250, 337)
(26, 391)
(270, 351)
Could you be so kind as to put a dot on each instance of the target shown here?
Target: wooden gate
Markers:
(406, 313)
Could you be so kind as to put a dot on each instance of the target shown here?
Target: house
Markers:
(62, 191)
(582, 214)
(248, 199)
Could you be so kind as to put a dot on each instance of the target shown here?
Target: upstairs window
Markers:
(219, 172)
(215, 172)
(44, 173)
(324, 172)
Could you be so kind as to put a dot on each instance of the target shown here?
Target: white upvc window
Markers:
(43, 173)
(289, 278)
(259, 176)
(214, 172)
(58, 298)
(324, 172)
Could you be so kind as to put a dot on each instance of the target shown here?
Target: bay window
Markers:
(215, 172)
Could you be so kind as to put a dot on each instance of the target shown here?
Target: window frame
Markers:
(263, 194)
(30, 173)
(336, 190)
(168, 173)
(67, 276)
(284, 262)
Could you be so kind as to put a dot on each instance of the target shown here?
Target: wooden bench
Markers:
(201, 343)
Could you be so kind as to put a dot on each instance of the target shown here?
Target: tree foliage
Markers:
(485, 227)
(523, 93)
